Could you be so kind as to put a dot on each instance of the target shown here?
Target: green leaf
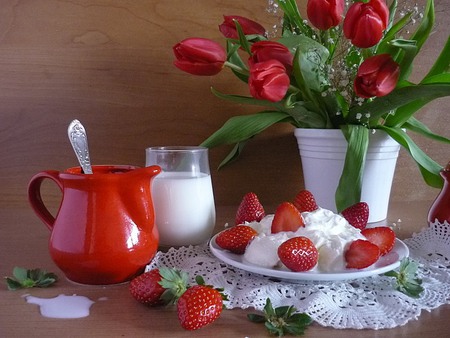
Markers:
(426, 26)
(406, 278)
(20, 273)
(244, 99)
(242, 39)
(175, 282)
(399, 97)
(410, 49)
(233, 154)
(28, 278)
(310, 60)
(293, 22)
(348, 191)
(415, 125)
(234, 58)
(13, 284)
(241, 128)
(282, 320)
(255, 318)
(429, 169)
(404, 112)
(442, 63)
(419, 37)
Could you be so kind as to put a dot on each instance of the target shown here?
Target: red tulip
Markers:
(268, 80)
(271, 50)
(376, 76)
(199, 56)
(325, 14)
(365, 23)
(228, 27)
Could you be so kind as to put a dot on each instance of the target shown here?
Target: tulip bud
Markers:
(324, 14)
(228, 27)
(365, 23)
(271, 50)
(199, 56)
(376, 76)
(268, 80)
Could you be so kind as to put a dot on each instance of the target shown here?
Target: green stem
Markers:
(236, 68)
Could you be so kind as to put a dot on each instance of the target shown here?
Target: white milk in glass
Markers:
(184, 208)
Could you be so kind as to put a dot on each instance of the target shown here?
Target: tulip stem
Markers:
(236, 68)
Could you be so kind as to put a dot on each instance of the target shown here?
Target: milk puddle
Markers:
(63, 306)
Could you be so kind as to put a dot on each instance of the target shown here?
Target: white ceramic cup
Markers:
(182, 195)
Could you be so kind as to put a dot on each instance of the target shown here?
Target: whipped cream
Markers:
(330, 233)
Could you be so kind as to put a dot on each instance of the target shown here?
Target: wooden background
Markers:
(109, 64)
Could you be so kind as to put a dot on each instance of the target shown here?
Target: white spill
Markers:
(62, 306)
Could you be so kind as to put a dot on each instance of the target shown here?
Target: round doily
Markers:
(366, 303)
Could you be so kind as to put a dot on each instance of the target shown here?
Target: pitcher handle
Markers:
(35, 198)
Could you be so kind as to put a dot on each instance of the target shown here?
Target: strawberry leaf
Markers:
(282, 320)
(406, 278)
(28, 278)
(13, 284)
(175, 282)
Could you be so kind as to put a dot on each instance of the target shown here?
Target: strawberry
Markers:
(159, 286)
(357, 215)
(249, 210)
(298, 254)
(236, 239)
(286, 218)
(383, 237)
(200, 305)
(304, 201)
(361, 254)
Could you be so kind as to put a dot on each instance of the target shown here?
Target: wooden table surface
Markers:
(23, 242)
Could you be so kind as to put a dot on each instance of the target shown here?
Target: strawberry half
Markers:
(286, 218)
(298, 254)
(357, 215)
(236, 239)
(249, 210)
(200, 305)
(304, 201)
(361, 254)
(383, 237)
(159, 286)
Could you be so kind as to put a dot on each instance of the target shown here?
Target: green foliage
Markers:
(315, 100)
(29, 278)
(175, 283)
(282, 320)
(406, 278)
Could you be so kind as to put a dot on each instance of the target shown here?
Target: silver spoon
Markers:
(78, 139)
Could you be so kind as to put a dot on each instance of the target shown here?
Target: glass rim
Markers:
(176, 148)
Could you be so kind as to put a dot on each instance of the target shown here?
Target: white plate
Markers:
(386, 263)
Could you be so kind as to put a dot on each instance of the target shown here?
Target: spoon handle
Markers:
(78, 139)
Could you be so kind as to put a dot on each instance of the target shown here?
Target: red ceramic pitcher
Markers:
(440, 209)
(104, 231)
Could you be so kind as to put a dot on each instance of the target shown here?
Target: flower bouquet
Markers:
(346, 67)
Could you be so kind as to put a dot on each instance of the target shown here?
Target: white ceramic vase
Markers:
(322, 153)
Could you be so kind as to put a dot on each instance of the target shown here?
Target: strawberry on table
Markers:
(298, 254)
(236, 239)
(304, 201)
(200, 305)
(361, 254)
(383, 237)
(250, 209)
(357, 215)
(287, 218)
(159, 286)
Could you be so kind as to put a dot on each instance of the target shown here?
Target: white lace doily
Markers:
(370, 302)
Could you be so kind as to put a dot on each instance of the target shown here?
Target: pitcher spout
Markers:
(145, 173)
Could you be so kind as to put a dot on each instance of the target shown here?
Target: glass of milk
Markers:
(182, 195)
